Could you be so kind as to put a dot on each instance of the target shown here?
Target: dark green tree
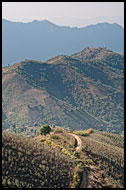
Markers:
(13, 128)
(45, 129)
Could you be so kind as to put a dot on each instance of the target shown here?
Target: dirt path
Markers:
(84, 182)
(79, 143)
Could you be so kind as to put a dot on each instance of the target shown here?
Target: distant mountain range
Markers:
(82, 22)
(41, 40)
(79, 91)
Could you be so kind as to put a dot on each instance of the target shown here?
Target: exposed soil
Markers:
(78, 142)
(93, 176)
(78, 145)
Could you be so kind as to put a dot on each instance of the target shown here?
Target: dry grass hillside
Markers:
(62, 159)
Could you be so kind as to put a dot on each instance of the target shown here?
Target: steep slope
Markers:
(33, 164)
(66, 91)
(106, 154)
(42, 40)
(28, 101)
(100, 54)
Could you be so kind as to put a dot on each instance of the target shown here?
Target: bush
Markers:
(84, 132)
(76, 154)
(45, 129)
(53, 136)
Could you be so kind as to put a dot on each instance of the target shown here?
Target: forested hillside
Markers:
(79, 91)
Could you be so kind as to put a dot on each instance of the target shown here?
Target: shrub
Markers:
(53, 136)
(77, 176)
(42, 140)
(45, 129)
(76, 154)
(58, 130)
(84, 132)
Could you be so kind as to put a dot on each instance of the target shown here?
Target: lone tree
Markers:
(45, 129)
(13, 128)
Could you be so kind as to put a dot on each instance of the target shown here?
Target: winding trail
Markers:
(84, 181)
(79, 142)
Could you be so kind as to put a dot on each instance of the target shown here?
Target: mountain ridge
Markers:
(49, 22)
(66, 92)
(36, 44)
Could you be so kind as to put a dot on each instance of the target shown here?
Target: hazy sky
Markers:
(27, 11)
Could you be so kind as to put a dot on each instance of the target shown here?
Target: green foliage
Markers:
(56, 137)
(77, 176)
(84, 132)
(45, 129)
(76, 154)
(13, 128)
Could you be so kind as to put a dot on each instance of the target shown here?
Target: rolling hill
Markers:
(42, 40)
(79, 91)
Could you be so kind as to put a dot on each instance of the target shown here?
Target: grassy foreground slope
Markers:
(106, 152)
(54, 160)
(29, 164)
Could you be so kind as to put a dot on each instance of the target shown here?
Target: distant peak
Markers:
(93, 53)
(5, 20)
(103, 25)
(35, 21)
(45, 21)
(55, 60)
(95, 48)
